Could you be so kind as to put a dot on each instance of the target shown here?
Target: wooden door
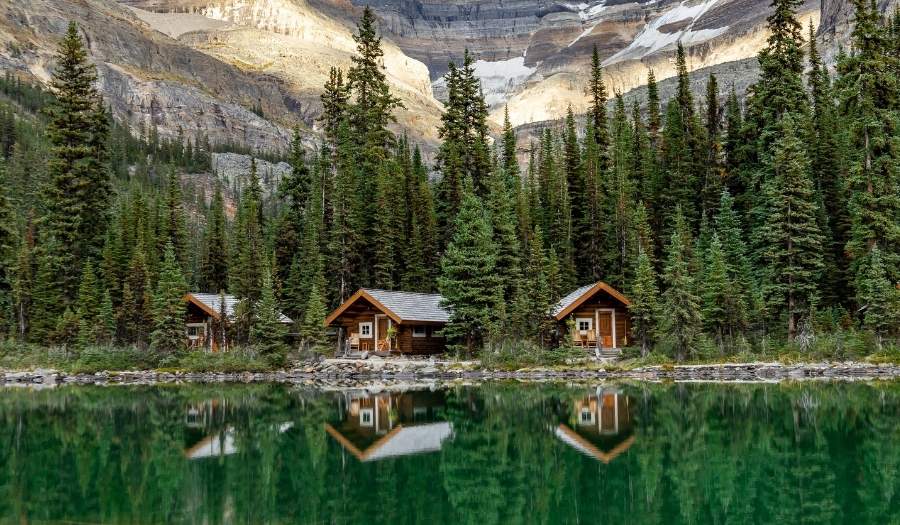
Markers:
(382, 334)
(604, 329)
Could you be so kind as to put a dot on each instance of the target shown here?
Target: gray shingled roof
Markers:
(571, 298)
(211, 300)
(411, 306)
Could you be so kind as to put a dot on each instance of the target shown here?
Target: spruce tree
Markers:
(790, 239)
(246, 268)
(597, 110)
(88, 308)
(174, 229)
(723, 310)
(312, 329)
(469, 283)
(869, 90)
(644, 307)
(681, 314)
(214, 265)
(267, 332)
(78, 193)
(878, 298)
(168, 337)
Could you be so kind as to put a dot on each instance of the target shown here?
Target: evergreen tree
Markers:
(722, 309)
(790, 240)
(681, 317)
(644, 307)
(214, 265)
(869, 91)
(174, 229)
(654, 116)
(267, 332)
(77, 197)
(878, 297)
(88, 308)
(469, 283)
(168, 336)
(597, 110)
(313, 327)
(245, 271)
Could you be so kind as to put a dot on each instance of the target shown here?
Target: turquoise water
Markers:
(494, 454)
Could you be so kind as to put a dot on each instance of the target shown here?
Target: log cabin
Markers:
(389, 425)
(599, 316)
(390, 323)
(599, 425)
(203, 314)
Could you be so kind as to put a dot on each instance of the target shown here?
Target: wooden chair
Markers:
(353, 343)
(576, 338)
(384, 345)
(591, 340)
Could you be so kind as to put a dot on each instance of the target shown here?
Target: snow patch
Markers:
(500, 78)
(583, 34)
(651, 39)
(586, 11)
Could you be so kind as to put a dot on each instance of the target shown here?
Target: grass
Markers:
(20, 356)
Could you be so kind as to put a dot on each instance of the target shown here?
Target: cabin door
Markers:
(605, 328)
(381, 343)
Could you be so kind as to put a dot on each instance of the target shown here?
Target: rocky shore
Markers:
(355, 373)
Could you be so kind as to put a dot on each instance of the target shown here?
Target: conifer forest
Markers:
(735, 225)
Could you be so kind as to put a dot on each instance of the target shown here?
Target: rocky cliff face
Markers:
(534, 55)
(200, 65)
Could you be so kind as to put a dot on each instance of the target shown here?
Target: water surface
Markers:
(495, 454)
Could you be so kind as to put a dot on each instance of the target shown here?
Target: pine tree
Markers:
(644, 307)
(77, 197)
(868, 90)
(654, 116)
(510, 162)
(505, 236)
(790, 240)
(598, 98)
(214, 265)
(313, 327)
(714, 175)
(246, 270)
(174, 229)
(878, 297)
(267, 332)
(106, 320)
(681, 314)
(469, 283)
(723, 310)
(167, 337)
(88, 308)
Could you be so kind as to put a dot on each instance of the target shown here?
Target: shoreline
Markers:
(356, 373)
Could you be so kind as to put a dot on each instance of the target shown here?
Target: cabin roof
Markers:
(212, 305)
(400, 441)
(573, 300)
(400, 306)
(579, 443)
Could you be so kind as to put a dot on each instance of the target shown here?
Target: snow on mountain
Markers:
(655, 36)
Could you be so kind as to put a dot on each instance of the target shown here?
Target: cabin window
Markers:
(584, 324)
(365, 329)
(587, 417)
(195, 330)
(420, 331)
(366, 418)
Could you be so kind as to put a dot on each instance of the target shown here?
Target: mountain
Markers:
(246, 71)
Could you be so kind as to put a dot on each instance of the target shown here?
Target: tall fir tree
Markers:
(681, 305)
(214, 264)
(790, 241)
(168, 338)
(470, 286)
(267, 332)
(644, 308)
(78, 193)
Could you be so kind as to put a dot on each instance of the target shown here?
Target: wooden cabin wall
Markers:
(420, 345)
(623, 318)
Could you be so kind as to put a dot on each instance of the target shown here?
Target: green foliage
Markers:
(168, 336)
(267, 332)
(681, 317)
(644, 307)
(469, 283)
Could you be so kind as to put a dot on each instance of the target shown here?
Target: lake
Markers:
(492, 454)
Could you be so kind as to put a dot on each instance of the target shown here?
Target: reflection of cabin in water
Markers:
(203, 315)
(207, 432)
(381, 426)
(599, 316)
(599, 425)
(388, 322)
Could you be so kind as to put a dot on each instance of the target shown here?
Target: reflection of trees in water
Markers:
(718, 454)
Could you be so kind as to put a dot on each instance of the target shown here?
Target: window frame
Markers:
(366, 327)
(424, 331)
(579, 320)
